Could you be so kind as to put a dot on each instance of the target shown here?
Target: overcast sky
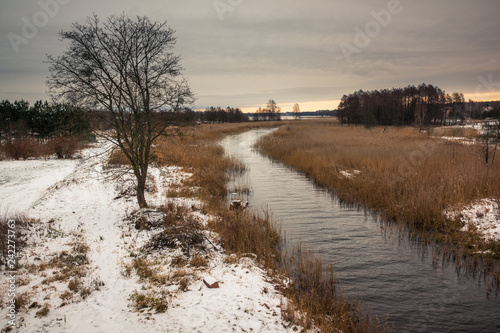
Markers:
(242, 53)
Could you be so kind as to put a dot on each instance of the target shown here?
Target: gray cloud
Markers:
(289, 51)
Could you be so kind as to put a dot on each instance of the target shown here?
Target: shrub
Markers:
(24, 148)
(64, 146)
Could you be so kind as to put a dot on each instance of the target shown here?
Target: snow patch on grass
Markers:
(482, 216)
(348, 174)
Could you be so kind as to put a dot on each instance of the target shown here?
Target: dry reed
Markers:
(408, 176)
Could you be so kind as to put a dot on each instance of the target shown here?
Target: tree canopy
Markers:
(422, 105)
(125, 67)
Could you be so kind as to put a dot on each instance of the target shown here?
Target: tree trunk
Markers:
(141, 186)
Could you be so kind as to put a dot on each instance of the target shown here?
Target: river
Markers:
(388, 272)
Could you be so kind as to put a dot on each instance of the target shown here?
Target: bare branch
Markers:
(125, 67)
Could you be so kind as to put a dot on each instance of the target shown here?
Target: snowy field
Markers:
(78, 207)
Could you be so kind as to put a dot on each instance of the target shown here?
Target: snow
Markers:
(80, 202)
(463, 140)
(483, 216)
(348, 174)
(23, 181)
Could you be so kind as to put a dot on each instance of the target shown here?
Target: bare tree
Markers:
(125, 67)
(296, 110)
(273, 110)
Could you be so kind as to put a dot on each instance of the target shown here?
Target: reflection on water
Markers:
(390, 274)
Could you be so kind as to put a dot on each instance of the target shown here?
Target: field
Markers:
(421, 179)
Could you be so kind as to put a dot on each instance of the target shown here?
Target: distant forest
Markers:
(220, 115)
(42, 120)
(422, 105)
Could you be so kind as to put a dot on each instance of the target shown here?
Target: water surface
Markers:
(388, 272)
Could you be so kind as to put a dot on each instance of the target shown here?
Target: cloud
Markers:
(288, 51)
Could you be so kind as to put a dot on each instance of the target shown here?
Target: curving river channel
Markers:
(390, 274)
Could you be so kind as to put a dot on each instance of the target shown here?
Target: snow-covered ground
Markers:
(82, 208)
(483, 216)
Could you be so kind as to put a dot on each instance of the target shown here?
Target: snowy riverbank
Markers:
(77, 271)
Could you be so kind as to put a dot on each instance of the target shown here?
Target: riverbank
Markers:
(411, 177)
(314, 300)
(91, 261)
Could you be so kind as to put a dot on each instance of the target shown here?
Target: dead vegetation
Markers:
(313, 298)
(40, 277)
(409, 176)
(142, 301)
(14, 229)
(406, 175)
(22, 149)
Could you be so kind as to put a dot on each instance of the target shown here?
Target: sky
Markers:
(242, 53)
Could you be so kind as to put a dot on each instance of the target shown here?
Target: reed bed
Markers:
(407, 175)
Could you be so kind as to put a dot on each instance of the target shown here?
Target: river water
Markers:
(389, 273)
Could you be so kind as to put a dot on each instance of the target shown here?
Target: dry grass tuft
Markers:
(15, 229)
(43, 312)
(242, 233)
(21, 301)
(199, 261)
(148, 301)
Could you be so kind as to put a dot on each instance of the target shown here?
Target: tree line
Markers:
(422, 105)
(42, 120)
(220, 115)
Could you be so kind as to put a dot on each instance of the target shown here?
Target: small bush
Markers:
(43, 312)
(64, 147)
(142, 301)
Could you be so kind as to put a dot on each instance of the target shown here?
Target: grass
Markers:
(312, 295)
(314, 300)
(142, 301)
(408, 176)
(12, 231)
(43, 312)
